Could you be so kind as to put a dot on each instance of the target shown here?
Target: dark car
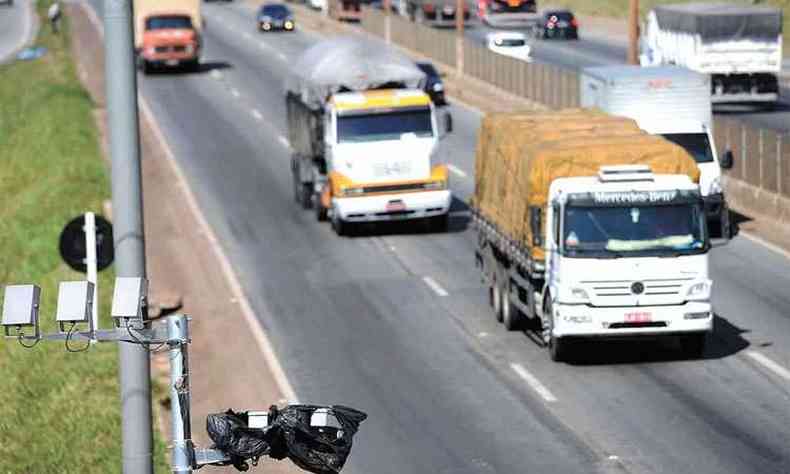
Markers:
(434, 86)
(558, 24)
(275, 16)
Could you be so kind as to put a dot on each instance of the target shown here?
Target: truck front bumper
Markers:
(392, 207)
(588, 321)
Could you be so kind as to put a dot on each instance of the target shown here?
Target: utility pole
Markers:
(127, 201)
(633, 32)
(459, 36)
(387, 21)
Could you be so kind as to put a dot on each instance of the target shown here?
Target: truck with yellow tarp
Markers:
(364, 136)
(590, 228)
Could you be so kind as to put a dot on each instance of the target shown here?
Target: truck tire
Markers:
(693, 345)
(306, 195)
(147, 68)
(497, 296)
(511, 316)
(340, 226)
(558, 347)
(321, 212)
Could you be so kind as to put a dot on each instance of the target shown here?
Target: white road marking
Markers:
(770, 365)
(264, 344)
(533, 382)
(456, 170)
(284, 141)
(235, 93)
(216, 74)
(765, 243)
(257, 115)
(282, 56)
(434, 286)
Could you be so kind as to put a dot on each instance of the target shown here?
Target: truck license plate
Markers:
(172, 62)
(395, 206)
(638, 317)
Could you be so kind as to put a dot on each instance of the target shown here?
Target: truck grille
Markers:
(390, 188)
(655, 287)
(169, 49)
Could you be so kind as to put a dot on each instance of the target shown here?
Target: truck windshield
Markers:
(697, 144)
(642, 230)
(384, 126)
(168, 23)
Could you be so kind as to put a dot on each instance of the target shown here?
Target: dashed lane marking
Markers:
(533, 382)
(456, 171)
(434, 286)
(235, 93)
(770, 365)
(284, 141)
(257, 115)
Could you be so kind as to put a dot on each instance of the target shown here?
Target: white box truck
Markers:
(739, 46)
(672, 102)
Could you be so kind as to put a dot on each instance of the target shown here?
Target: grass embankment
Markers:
(619, 9)
(59, 412)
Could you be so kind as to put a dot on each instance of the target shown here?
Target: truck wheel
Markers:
(497, 296)
(320, 211)
(439, 224)
(693, 345)
(306, 195)
(511, 316)
(147, 68)
(558, 348)
(340, 226)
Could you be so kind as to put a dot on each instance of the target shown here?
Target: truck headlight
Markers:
(715, 186)
(438, 87)
(288, 24)
(699, 290)
(574, 295)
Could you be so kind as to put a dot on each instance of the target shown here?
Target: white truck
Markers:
(582, 247)
(672, 102)
(365, 136)
(739, 46)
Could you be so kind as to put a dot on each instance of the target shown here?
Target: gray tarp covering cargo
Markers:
(721, 21)
(348, 63)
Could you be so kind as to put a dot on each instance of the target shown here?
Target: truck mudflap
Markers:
(615, 322)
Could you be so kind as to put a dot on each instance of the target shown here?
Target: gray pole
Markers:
(178, 335)
(127, 203)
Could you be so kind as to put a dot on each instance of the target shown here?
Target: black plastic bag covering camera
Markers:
(321, 450)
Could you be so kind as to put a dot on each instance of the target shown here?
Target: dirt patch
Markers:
(182, 264)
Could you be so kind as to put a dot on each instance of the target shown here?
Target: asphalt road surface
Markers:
(15, 27)
(594, 50)
(395, 321)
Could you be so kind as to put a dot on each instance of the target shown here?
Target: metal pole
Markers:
(134, 363)
(633, 32)
(183, 450)
(459, 36)
(90, 263)
(387, 22)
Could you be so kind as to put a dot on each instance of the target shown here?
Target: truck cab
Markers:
(626, 255)
(168, 39)
(381, 159)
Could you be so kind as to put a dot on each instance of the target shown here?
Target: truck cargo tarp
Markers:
(721, 21)
(349, 64)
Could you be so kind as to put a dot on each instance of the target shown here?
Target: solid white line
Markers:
(257, 115)
(533, 382)
(457, 171)
(284, 141)
(264, 345)
(434, 286)
(216, 74)
(766, 244)
(235, 93)
(769, 364)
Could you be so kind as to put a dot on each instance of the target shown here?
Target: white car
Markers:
(510, 44)
(318, 4)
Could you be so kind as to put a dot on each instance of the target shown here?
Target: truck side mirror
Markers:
(727, 160)
(535, 216)
(448, 123)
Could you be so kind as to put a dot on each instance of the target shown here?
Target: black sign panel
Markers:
(72, 244)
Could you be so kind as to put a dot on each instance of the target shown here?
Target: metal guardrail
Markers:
(762, 157)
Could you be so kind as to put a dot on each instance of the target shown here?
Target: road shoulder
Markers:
(227, 368)
(29, 28)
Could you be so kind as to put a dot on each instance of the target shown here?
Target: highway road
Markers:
(16, 24)
(594, 49)
(395, 321)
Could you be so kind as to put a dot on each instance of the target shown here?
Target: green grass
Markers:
(59, 412)
(619, 8)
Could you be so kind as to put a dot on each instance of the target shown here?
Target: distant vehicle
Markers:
(433, 12)
(434, 86)
(345, 10)
(558, 24)
(317, 4)
(511, 44)
(167, 33)
(738, 46)
(275, 16)
(508, 13)
(9, 3)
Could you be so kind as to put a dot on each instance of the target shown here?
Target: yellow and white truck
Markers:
(364, 137)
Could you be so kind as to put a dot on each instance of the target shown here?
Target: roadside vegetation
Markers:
(619, 9)
(59, 411)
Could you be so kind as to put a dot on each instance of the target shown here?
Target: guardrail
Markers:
(759, 183)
